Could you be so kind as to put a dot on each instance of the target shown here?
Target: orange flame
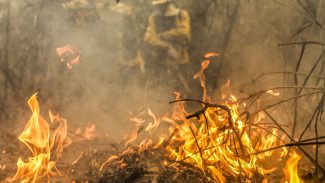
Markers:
(200, 75)
(43, 143)
(211, 54)
(89, 133)
(271, 92)
(218, 142)
(212, 148)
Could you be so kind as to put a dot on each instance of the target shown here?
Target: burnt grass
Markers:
(151, 165)
(147, 166)
(138, 167)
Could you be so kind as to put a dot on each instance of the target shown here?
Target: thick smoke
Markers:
(105, 91)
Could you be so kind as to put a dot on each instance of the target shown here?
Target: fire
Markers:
(88, 133)
(200, 75)
(44, 144)
(291, 169)
(225, 89)
(212, 145)
(271, 92)
(219, 140)
(268, 141)
(68, 51)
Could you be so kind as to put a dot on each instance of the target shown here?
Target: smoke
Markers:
(107, 86)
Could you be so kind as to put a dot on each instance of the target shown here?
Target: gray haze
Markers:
(100, 90)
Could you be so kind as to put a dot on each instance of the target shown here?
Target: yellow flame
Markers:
(276, 94)
(291, 169)
(219, 142)
(41, 142)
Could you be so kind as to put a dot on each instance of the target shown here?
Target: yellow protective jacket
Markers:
(164, 32)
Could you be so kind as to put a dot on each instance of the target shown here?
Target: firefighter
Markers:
(168, 37)
(124, 32)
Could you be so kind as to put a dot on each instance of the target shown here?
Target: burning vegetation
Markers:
(251, 111)
(219, 142)
(46, 145)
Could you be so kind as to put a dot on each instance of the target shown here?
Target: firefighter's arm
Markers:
(183, 29)
(151, 37)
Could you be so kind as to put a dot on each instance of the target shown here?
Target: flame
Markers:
(267, 142)
(64, 51)
(200, 75)
(213, 147)
(179, 112)
(43, 143)
(156, 122)
(291, 169)
(109, 160)
(271, 92)
(211, 54)
(217, 141)
(225, 89)
(89, 133)
(133, 136)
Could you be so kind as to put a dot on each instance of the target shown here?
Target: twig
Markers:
(310, 121)
(286, 72)
(6, 55)
(258, 94)
(285, 100)
(230, 121)
(187, 100)
(311, 15)
(268, 131)
(312, 70)
(224, 142)
(276, 123)
(300, 148)
(238, 159)
(319, 117)
(303, 42)
(198, 146)
(286, 145)
(297, 91)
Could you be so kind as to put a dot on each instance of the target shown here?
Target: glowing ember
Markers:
(43, 143)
